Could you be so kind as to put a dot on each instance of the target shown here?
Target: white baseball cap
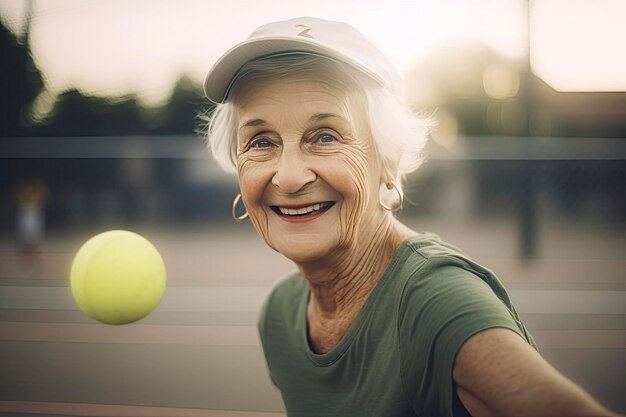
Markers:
(334, 40)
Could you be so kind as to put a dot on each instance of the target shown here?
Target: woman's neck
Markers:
(341, 284)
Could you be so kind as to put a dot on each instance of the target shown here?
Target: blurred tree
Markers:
(77, 114)
(180, 114)
(20, 83)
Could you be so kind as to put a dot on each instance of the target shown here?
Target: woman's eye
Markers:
(262, 143)
(326, 138)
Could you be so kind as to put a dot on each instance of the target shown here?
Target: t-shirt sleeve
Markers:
(441, 307)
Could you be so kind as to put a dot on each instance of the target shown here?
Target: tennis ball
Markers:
(117, 277)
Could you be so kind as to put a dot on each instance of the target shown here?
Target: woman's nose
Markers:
(292, 172)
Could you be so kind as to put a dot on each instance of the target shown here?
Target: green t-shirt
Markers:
(396, 359)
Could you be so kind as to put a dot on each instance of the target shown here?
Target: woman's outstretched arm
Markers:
(498, 374)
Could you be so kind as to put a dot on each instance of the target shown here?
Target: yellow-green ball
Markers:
(117, 277)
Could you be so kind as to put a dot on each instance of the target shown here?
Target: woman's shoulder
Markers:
(436, 266)
(447, 280)
(432, 256)
(430, 245)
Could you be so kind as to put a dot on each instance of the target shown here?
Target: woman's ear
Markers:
(390, 194)
(389, 170)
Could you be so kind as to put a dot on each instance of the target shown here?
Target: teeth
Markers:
(303, 210)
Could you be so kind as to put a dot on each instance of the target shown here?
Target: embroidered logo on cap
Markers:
(305, 32)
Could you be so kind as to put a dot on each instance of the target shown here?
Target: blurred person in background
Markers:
(378, 320)
(30, 197)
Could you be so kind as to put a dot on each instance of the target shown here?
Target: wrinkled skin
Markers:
(291, 152)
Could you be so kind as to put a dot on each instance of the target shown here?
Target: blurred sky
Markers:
(111, 47)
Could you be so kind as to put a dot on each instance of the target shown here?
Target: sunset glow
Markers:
(143, 46)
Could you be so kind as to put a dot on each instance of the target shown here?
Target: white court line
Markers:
(130, 334)
(175, 299)
(569, 301)
(580, 339)
(82, 409)
(249, 300)
(246, 335)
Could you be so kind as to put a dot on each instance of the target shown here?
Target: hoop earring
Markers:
(244, 216)
(396, 207)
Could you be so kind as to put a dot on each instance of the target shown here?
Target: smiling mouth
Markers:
(303, 211)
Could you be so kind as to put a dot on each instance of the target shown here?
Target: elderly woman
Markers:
(379, 320)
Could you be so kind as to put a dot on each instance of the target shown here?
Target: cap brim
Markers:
(219, 80)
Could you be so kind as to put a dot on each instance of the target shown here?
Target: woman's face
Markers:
(308, 171)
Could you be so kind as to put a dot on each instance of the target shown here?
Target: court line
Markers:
(130, 334)
(580, 339)
(565, 271)
(569, 301)
(250, 299)
(114, 410)
(160, 318)
(175, 299)
(246, 335)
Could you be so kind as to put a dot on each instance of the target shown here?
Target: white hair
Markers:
(399, 134)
